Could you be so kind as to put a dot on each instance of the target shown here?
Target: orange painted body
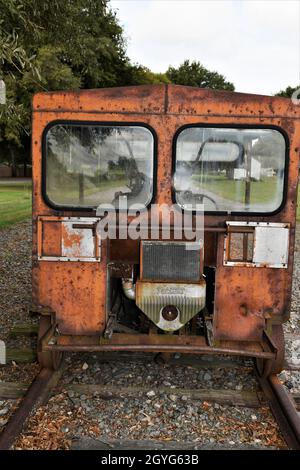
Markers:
(77, 291)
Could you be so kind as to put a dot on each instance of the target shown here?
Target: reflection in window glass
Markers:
(88, 165)
(232, 170)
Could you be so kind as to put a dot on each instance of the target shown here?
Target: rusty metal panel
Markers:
(128, 251)
(76, 293)
(245, 298)
(239, 313)
(51, 238)
(124, 100)
(68, 239)
(191, 101)
(270, 244)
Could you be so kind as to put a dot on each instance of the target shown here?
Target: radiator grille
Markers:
(170, 261)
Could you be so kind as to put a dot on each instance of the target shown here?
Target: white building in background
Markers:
(268, 172)
(256, 171)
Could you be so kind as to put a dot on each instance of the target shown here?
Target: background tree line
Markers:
(70, 44)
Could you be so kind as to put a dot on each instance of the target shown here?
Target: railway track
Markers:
(283, 408)
(274, 394)
(36, 395)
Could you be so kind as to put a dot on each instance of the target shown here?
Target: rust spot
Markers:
(243, 310)
(70, 239)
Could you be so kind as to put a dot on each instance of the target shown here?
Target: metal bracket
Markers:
(110, 326)
(49, 338)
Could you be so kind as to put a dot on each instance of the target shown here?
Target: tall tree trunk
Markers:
(13, 162)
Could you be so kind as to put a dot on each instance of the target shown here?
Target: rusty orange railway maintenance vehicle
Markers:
(177, 148)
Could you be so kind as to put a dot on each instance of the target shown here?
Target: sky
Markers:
(254, 43)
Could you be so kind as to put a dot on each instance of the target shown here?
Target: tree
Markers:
(140, 75)
(13, 56)
(70, 44)
(14, 60)
(54, 45)
(288, 92)
(195, 74)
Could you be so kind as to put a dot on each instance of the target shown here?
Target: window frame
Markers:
(235, 126)
(66, 122)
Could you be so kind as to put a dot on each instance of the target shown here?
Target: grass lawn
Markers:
(235, 190)
(259, 192)
(69, 192)
(15, 203)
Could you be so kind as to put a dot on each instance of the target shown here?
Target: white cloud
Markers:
(255, 44)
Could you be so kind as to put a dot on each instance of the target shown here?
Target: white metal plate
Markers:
(271, 245)
(2, 353)
(77, 242)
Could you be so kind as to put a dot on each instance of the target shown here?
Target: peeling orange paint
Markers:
(69, 240)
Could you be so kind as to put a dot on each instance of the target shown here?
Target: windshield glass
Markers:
(232, 170)
(88, 165)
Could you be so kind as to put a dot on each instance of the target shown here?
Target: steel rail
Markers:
(37, 394)
(283, 409)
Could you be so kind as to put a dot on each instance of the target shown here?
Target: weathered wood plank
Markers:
(24, 329)
(20, 355)
(86, 443)
(12, 390)
(251, 399)
(228, 397)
